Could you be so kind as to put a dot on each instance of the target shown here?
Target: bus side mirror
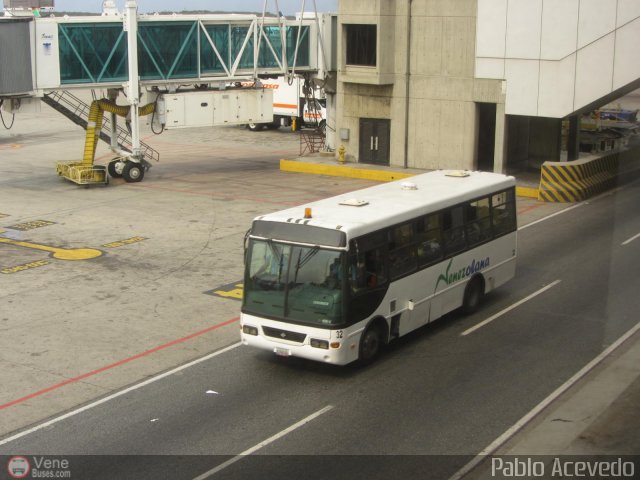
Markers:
(246, 245)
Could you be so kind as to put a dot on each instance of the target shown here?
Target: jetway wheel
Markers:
(133, 172)
(115, 168)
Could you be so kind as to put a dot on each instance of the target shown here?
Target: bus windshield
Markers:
(295, 283)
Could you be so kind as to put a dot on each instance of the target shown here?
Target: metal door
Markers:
(374, 140)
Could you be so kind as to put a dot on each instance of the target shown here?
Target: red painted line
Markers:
(117, 364)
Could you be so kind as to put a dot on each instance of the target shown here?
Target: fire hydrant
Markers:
(341, 152)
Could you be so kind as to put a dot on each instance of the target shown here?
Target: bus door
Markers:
(368, 277)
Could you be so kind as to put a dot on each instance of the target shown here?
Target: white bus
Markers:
(337, 279)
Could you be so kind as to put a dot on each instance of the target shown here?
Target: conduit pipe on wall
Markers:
(407, 88)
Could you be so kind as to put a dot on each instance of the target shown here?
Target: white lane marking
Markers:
(626, 242)
(586, 202)
(516, 427)
(264, 443)
(508, 309)
(568, 209)
(117, 394)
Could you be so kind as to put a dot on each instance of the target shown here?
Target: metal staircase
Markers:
(78, 112)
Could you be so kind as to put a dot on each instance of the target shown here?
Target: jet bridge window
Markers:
(361, 45)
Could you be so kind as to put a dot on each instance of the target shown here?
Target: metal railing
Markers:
(78, 111)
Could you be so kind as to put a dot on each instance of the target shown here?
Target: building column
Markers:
(500, 146)
(573, 140)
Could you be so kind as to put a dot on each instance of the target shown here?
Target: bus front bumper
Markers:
(345, 353)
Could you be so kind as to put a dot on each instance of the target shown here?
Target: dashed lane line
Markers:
(508, 309)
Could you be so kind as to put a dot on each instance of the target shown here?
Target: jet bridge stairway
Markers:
(86, 172)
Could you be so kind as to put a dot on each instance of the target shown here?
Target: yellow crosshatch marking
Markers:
(23, 227)
(122, 243)
(232, 290)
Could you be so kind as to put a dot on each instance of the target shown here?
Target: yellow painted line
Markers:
(341, 171)
(367, 174)
(22, 268)
(122, 243)
(59, 253)
(527, 192)
(23, 227)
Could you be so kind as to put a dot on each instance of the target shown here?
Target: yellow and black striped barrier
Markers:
(577, 180)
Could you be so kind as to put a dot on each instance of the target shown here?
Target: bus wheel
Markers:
(370, 344)
(473, 295)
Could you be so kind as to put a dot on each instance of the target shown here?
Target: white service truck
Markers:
(291, 107)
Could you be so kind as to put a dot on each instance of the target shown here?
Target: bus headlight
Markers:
(250, 330)
(320, 344)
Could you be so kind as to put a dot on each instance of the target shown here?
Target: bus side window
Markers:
(503, 212)
(402, 250)
(429, 238)
(367, 270)
(478, 221)
(453, 230)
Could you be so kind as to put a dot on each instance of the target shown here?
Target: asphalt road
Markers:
(432, 400)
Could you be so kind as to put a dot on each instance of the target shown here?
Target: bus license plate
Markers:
(282, 352)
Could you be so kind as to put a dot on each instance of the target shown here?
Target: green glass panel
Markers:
(168, 50)
(209, 62)
(92, 53)
(238, 35)
(304, 49)
(265, 57)
(95, 53)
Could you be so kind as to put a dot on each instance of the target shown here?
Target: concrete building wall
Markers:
(558, 57)
(433, 111)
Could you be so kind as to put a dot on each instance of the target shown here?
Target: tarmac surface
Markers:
(162, 287)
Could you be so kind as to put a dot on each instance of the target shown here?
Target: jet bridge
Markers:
(161, 54)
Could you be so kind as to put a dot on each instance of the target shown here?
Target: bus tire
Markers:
(370, 344)
(473, 294)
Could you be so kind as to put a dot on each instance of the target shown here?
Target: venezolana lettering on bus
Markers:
(473, 267)
(528, 468)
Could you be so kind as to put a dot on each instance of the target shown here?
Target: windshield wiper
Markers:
(304, 260)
